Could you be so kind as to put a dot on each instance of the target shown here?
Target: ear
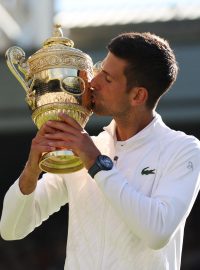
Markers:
(139, 96)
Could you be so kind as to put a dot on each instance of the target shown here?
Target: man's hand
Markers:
(40, 144)
(69, 134)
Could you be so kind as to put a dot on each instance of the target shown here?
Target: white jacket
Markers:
(129, 218)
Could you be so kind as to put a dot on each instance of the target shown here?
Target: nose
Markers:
(96, 69)
(94, 82)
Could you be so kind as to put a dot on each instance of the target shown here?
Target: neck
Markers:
(129, 126)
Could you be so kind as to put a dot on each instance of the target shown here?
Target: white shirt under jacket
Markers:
(129, 218)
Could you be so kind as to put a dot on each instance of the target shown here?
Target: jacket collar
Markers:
(142, 135)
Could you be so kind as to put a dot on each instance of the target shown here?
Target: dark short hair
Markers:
(151, 63)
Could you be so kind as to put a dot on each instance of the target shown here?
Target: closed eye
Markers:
(107, 76)
(108, 79)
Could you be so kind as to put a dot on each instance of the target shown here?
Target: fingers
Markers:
(57, 134)
(40, 144)
(46, 129)
(75, 141)
(59, 126)
(68, 124)
(60, 144)
(61, 139)
(70, 121)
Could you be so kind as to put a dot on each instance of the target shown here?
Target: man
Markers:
(128, 206)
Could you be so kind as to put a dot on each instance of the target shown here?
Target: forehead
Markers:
(113, 64)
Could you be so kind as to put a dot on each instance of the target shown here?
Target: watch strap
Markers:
(98, 166)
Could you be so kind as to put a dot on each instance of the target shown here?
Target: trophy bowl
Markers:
(56, 79)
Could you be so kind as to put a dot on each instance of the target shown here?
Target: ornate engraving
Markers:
(58, 59)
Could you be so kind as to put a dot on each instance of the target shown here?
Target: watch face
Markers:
(102, 163)
(106, 162)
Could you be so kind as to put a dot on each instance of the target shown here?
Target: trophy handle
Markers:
(16, 56)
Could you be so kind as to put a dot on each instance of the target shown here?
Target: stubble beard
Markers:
(100, 110)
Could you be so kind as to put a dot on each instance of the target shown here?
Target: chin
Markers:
(100, 111)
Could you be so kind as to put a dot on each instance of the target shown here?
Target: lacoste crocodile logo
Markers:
(145, 171)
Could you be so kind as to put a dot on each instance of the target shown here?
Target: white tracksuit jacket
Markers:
(129, 218)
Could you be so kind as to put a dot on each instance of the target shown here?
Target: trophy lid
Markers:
(58, 51)
(58, 38)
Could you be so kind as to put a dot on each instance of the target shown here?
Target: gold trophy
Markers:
(56, 79)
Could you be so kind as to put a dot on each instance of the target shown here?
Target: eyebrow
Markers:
(104, 71)
(107, 73)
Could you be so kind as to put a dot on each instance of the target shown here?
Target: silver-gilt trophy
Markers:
(56, 79)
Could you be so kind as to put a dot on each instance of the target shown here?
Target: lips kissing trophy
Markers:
(56, 79)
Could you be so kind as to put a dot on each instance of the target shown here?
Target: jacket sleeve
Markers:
(22, 213)
(156, 218)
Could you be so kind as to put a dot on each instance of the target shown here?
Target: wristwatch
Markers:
(102, 163)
